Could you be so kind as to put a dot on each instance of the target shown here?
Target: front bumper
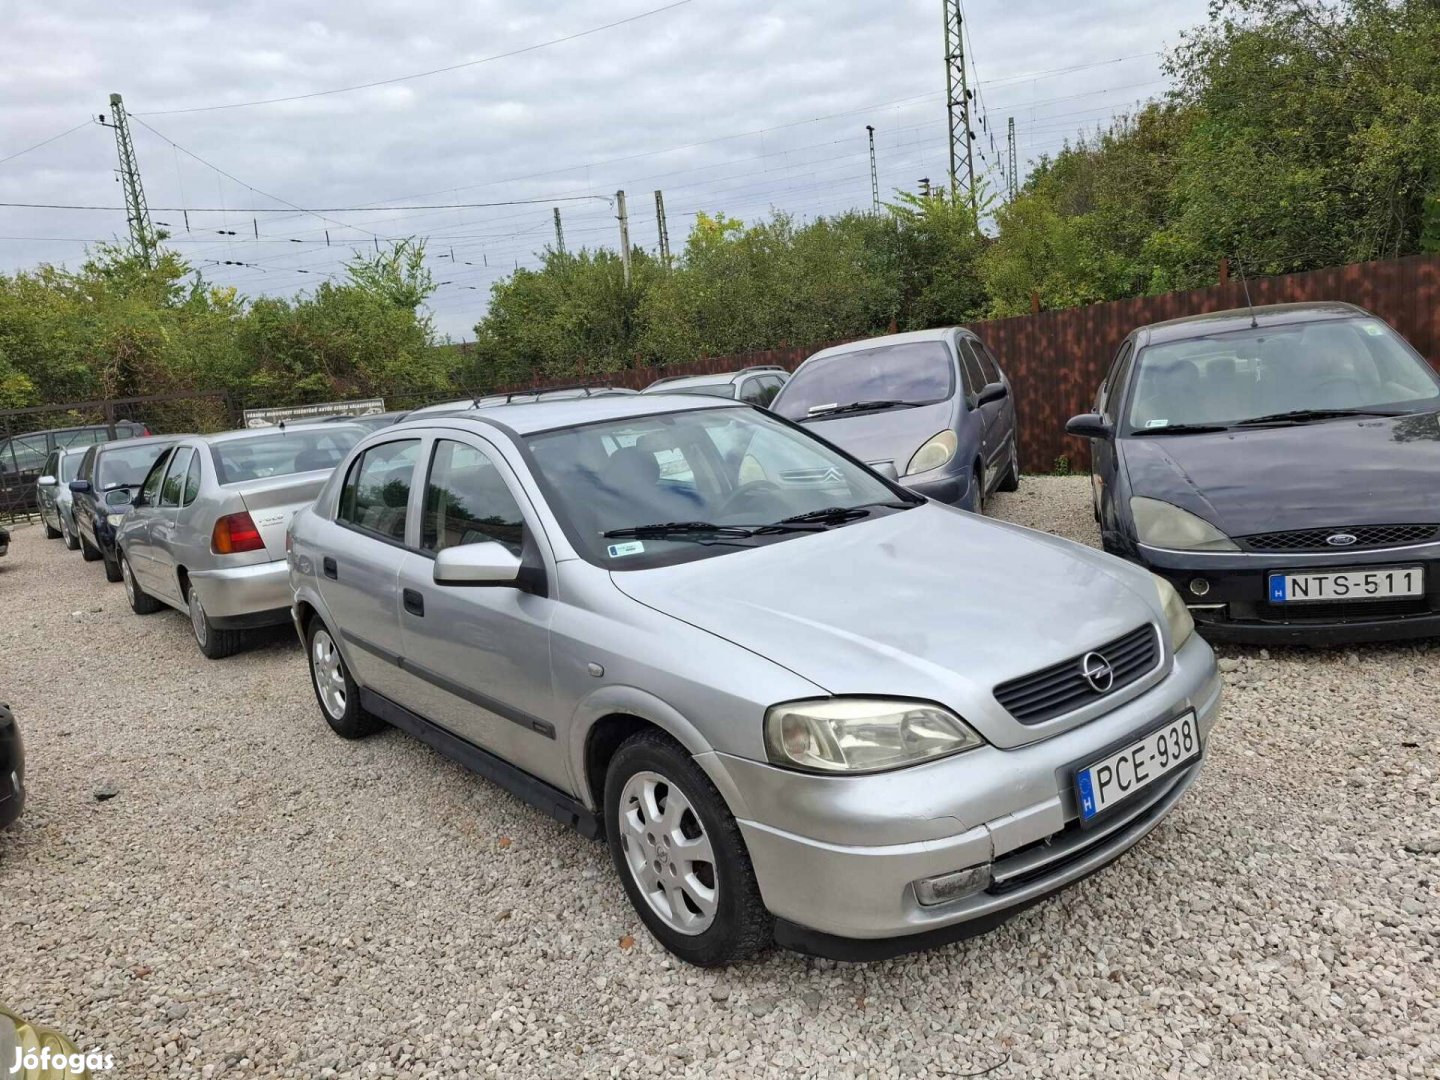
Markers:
(1236, 605)
(951, 490)
(837, 858)
(242, 597)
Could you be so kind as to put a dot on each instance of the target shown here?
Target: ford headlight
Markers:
(859, 735)
(935, 453)
(114, 520)
(1164, 525)
(1177, 615)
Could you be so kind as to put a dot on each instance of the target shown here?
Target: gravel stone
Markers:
(268, 900)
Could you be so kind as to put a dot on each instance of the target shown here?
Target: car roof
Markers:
(241, 434)
(940, 333)
(529, 417)
(1219, 322)
(148, 440)
(719, 378)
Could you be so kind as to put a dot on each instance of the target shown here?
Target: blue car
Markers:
(107, 480)
(931, 409)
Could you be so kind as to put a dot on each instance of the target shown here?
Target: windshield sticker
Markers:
(1157, 423)
(1374, 329)
(618, 551)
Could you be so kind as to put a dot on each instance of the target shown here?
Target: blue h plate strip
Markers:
(1087, 795)
(1277, 588)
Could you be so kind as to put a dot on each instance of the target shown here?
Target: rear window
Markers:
(918, 373)
(282, 453)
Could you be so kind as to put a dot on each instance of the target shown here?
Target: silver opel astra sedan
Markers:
(801, 703)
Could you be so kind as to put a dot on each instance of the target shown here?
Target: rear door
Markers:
(138, 531)
(162, 528)
(478, 659)
(360, 553)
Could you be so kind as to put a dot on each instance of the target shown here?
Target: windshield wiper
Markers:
(820, 411)
(839, 515)
(706, 532)
(1304, 416)
(1181, 429)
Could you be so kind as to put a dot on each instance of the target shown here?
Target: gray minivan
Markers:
(931, 409)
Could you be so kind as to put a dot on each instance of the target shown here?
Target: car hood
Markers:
(931, 603)
(1371, 471)
(889, 437)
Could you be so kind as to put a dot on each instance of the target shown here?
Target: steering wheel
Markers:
(745, 496)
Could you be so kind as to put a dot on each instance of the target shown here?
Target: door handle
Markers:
(414, 602)
(327, 564)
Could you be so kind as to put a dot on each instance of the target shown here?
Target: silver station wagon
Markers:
(206, 532)
(801, 703)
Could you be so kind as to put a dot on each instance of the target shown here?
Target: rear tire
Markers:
(89, 552)
(680, 855)
(336, 691)
(214, 643)
(112, 569)
(1011, 480)
(141, 602)
(70, 541)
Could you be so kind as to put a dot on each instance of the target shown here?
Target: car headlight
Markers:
(859, 735)
(936, 452)
(1177, 615)
(114, 520)
(1164, 525)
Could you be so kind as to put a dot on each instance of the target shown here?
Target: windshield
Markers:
(128, 464)
(69, 466)
(720, 390)
(1339, 364)
(728, 468)
(917, 373)
(282, 453)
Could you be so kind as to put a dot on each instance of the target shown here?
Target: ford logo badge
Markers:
(1340, 539)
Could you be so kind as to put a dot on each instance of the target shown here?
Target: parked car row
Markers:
(767, 654)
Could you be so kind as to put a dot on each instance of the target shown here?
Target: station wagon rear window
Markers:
(281, 453)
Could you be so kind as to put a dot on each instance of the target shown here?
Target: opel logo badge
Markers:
(1097, 671)
(1340, 539)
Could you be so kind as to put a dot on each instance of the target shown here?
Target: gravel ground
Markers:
(259, 898)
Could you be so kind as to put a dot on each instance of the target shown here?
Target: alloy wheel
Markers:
(668, 853)
(329, 673)
(197, 619)
(129, 580)
(65, 531)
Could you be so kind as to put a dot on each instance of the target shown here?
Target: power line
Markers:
(288, 209)
(47, 142)
(424, 74)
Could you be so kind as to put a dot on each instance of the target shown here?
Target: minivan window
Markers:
(987, 361)
(377, 489)
(1251, 374)
(974, 376)
(917, 373)
(467, 501)
(731, 468)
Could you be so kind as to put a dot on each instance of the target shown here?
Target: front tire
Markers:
(1011, 480)
(69, 537)
(680, 855)
(112, 569)
(335, 690)
(141, 602)
(216, 644)
(52, 533)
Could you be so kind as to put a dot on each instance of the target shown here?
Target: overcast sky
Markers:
(724, 104)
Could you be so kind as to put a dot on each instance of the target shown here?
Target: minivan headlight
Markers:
(858, 735)
(1164, 525)
(935, 453)
(1177, 615)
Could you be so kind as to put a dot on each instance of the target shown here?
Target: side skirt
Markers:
(519, 783)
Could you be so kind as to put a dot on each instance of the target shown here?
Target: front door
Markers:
(478, 658)
(162, 526)
(991, 446)
(360, 553)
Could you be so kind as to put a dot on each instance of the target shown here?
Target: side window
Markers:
(192, 482)
(150, 490)
(468, 502)
(52, 465)
(752, 392)
(1115, 381)
(377, 489)
(174, 483)
(87, 465)
(988, 367)
(974, 377)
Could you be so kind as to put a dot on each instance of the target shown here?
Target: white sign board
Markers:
(293, 413)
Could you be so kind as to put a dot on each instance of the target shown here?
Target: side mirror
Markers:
(79, 487)
(488, 563)
(1089, 426)
(994, 391)
(46, 481)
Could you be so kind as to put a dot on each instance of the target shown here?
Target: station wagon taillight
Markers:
(235, 533)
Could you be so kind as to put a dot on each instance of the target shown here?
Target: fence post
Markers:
(1034, 302)
(1224, 270)
(109, 407)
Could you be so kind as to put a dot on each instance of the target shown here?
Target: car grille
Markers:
(1063, 687)
(1366, 536)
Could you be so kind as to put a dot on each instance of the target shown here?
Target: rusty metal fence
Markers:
(28, 436)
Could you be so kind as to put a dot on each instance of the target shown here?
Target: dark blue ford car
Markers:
(1279, 466)
(108, 478)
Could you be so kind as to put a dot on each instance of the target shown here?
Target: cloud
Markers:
(620, 108)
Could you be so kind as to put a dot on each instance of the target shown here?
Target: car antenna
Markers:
(1254, 322)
